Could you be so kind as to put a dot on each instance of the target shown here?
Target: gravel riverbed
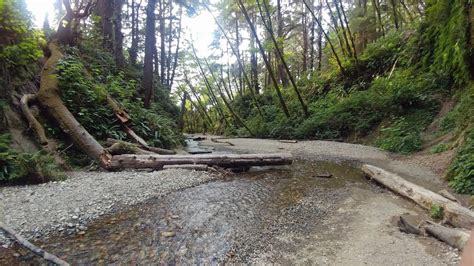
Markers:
(68, 206)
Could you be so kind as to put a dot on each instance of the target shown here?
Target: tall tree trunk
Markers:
(176, 53)
(280, 34)
(376, 5)
(395, 14)
(320, 35)
(133, 51)
(265, 59)
(226, 103)
(269, 28)
(237, 52)
(343, 28)
(351, 37)
(253, 61)
(162, 41)
(326, 37)
(240, 63)
(198, 99)
(118, 36)
(150, 41)
(170, 42)
(182, 111)
(212, 95)
(311, 41)
(105, 10)
(304, 22)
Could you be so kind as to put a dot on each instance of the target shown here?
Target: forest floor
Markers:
(287, 216)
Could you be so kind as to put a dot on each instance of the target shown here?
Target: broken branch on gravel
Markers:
(227, 161)
(216, 140)
(138, 148)
(454, 213)
(28, 245)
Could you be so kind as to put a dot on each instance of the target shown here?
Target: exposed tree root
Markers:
(28, 245)
(48, 145)
(32, 121)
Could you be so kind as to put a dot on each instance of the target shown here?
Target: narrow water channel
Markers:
(235, 219)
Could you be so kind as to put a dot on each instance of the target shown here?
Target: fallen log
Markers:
(454, 213)
(454, 237)
(28, 245)
(413, 224)
(221, 160)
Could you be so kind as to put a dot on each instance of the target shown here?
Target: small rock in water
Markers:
(81, 233)
(168, 234)
(70, 225)
(82, 228)
(16, 255)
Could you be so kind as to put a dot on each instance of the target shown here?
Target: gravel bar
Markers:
(36, 211)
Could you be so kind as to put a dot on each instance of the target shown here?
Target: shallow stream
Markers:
(235, 219)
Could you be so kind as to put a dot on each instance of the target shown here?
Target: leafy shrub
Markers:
(441, 147)
(401, 137)
(436, 211)
(461, 171)
(26, 167)
(85, 96)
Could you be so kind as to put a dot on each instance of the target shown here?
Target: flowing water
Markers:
(235, 219)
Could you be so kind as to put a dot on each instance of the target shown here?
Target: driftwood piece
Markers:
(409, 224)
(324, 175)
(216, 140)
(126, 148)
(454, 213)
(454, 237)
(143, 150)
(221, 160)
(287, 141)
(28, 245)
(448, 195)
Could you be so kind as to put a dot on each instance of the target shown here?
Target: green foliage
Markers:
(362, 111)
(461, 171)
(84, 90)
(26, 167)
(436, 211)
(462, 114)
(401, 137)
(444, 38)
(20, 46)
(441, 147)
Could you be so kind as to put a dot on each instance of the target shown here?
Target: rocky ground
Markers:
(68, 206)
(344, 224)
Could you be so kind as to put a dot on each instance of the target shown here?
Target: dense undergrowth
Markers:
(86, 75)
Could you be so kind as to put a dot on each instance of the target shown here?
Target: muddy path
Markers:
(282, 215)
